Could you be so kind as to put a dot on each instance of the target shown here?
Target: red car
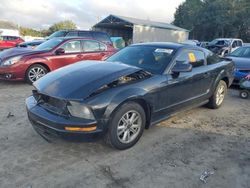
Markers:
(30, 65)
(9, 42)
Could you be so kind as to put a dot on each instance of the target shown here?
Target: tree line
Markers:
(210, 19)
(25, 31)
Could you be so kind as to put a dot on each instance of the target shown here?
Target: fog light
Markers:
(81, 129)
(8, 76)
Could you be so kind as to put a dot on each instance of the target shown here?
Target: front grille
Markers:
(52, 104)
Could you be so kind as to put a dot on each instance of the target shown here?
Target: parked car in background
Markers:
(192, 42)
(204, 44)
(224, 46)
(241, 58)
(30, 65)
(96, 35)
(9, 42)
(30, 44)
(138, 86)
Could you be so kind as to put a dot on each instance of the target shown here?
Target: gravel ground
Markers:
(172, 154)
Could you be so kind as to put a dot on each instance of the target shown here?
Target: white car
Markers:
(224, 46)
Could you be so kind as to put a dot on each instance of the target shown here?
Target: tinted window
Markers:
(234, 44)
(152, 59)
(194, 57)
(93, 46)
(50, 44)
(72, 34)
(72, 46)
(101, 37)
(239, 43)
(85, 34)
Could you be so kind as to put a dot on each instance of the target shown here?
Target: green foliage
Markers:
(24, 31)
(61, 26)
(209, 19)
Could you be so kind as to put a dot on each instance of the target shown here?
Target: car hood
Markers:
(240, 62)
(17, 52)
(78, 81)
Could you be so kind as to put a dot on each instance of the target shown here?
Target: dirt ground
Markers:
(171, 154)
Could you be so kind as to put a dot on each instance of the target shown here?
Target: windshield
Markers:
(57, 34)
(241, 52)
(50, 44)
(220, 42)
(149, 58)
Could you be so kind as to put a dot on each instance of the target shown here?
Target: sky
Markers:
(40, 14)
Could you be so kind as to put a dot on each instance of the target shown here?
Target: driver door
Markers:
(72, 54)
(185, 88)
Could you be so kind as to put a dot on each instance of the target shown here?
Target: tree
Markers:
(24, 31)
(61, 25)
(209, 19)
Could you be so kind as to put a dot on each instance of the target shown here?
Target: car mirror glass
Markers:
(182, 67)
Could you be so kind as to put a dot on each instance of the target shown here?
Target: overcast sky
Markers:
(41, 14)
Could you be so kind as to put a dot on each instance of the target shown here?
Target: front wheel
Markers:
(218, 96)
(126, 126)
(35, 72)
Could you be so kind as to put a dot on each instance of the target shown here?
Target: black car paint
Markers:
(160, 95)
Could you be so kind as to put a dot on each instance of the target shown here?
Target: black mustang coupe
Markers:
(138, 86)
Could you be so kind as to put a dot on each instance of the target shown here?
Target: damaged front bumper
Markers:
(48, 124)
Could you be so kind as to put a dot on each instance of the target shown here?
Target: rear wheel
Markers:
(218, 96)
(127, 126)
(35, 72)
(244, 94)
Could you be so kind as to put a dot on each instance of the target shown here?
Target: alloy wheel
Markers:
(129, 126)
(35, 73)
(220, 94)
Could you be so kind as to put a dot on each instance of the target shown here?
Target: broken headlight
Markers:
(79, 110)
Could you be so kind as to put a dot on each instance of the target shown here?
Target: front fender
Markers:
(122, 97)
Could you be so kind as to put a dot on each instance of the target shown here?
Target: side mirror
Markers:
(180, 67)
(59, 51)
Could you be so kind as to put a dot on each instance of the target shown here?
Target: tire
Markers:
(30, 76)
(244, 94)
(120, 139)
(218, 96)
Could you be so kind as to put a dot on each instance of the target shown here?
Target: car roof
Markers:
(81, 30)
(227, 39)
(171, 45)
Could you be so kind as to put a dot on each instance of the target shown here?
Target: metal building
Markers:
(136, 30)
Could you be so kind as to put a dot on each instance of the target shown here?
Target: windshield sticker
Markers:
(191, 57)
(162, 50)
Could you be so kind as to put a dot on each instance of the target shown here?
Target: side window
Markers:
(239, 43)
(72, 34)
(93, 46)
(85, 34)
(234, 45)
(194, 57)
(199, 58)
(72, 46)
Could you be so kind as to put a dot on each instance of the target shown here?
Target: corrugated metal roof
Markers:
(136, 21)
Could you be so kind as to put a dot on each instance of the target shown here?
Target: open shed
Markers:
(137, 30)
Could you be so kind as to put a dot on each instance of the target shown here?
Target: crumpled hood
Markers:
(17, 52)
(80, 80)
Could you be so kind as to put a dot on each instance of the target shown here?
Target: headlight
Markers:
(12, 60)
(79, 110)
